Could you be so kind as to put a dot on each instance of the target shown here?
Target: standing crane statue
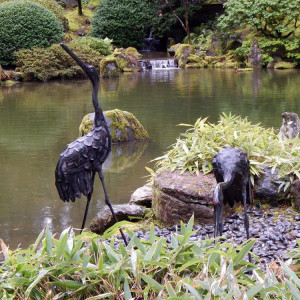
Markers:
(232, 171)
(82, 159)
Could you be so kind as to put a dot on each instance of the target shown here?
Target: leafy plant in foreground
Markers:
(82, 267)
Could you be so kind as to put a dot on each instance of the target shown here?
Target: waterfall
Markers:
(159, 64)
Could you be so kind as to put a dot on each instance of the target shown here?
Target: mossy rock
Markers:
(123, 126)
(221, 61)
(173, 47)
(109, 67)
(226, 64)
(182, 53)
(127, 62)
(284, 65)
(132, 51)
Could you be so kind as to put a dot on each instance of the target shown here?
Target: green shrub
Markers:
(52, 5)
(24, 25)
(81, 267)
(287, 49)
(123, 21)
(53, 62)
(102, 46)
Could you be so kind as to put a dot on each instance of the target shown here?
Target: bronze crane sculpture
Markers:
(82, 159)
(232, 171)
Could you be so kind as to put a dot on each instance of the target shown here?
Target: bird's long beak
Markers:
(76, 58)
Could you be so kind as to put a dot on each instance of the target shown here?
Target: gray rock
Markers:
(177, 196)
(142, 196)
(255, 56)
(127, 212)
(290, 127)
(295, 191)
(266, 186)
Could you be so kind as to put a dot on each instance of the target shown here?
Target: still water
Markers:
(37, 120)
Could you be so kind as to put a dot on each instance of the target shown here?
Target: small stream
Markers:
(37, 121)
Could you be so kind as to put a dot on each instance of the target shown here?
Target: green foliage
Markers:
(272, 18)
(123, 21)
(201, 40)
(79, 267)
(52, 5)
(54, 62)
(24, 25)
(195, 149)
(102, 46)
(287, 49)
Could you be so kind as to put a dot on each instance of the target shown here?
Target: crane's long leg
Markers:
(110, 207)
(246, 219)
(218, 210)
(89, 196)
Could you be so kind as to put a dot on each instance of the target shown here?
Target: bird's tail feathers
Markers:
(71, 186)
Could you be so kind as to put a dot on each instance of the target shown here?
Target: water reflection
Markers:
(37, 121)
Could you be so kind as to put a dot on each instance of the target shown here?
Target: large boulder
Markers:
(123, 126)
(124, 212)
(176, 197)
(267, 185)
(127, 60)
(295, 191)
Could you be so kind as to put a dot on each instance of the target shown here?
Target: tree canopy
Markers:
(272, 18)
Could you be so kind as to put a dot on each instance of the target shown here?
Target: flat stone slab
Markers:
(124, 212)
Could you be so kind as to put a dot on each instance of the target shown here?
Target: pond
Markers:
(37, 120)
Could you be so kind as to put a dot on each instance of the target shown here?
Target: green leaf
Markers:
(102, 296)
(243, 251)
(127, 292)
(193, 291)
(153, 283)
(62, 245)
(42, 273)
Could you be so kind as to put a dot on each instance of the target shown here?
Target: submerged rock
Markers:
(123, 126)
(124, 212)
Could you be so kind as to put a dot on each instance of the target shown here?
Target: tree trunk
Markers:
(79, 8)
(187, 28)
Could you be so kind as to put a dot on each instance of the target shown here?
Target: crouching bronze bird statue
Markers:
(232, 171)
(83, 158)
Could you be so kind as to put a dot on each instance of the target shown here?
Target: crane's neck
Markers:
(99, 116)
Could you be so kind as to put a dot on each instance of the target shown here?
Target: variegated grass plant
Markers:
(195, 149)
(82, 267)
